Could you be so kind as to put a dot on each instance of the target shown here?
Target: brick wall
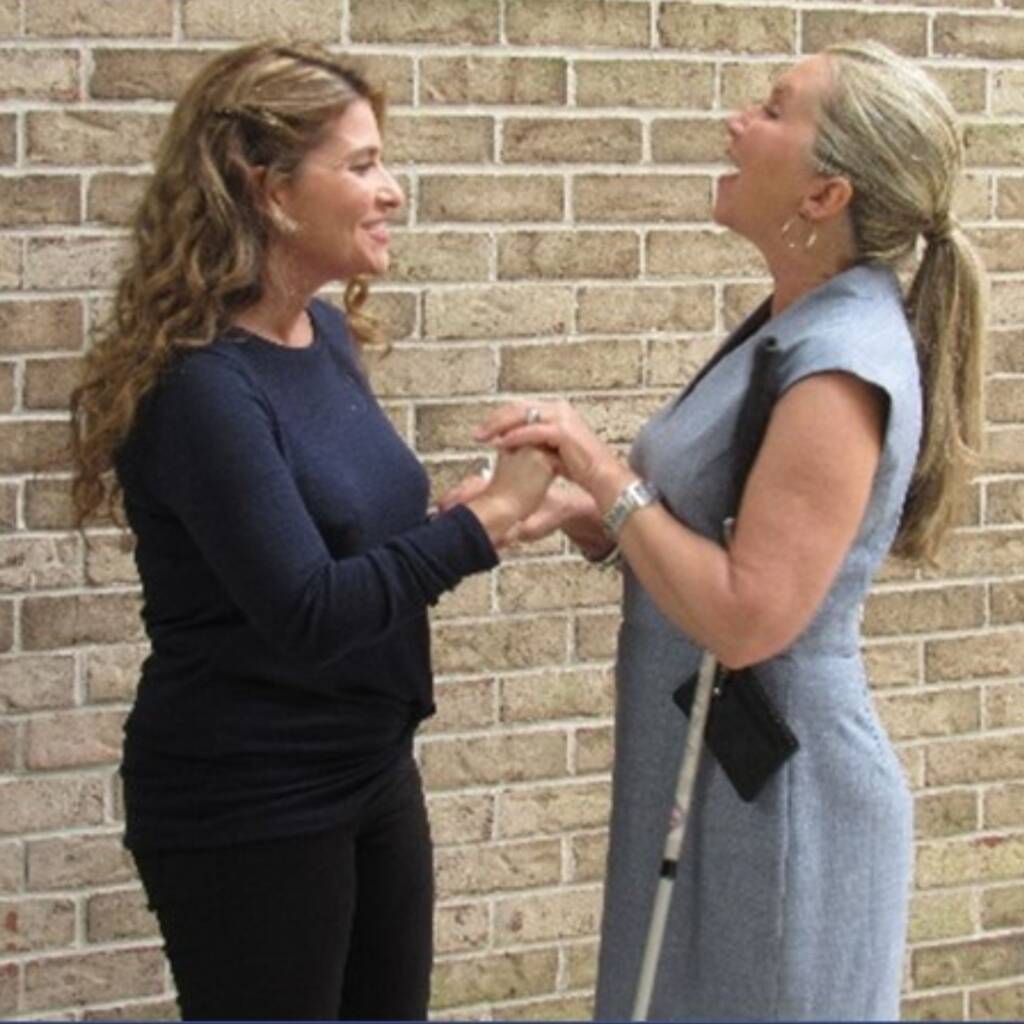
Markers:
(559, 157)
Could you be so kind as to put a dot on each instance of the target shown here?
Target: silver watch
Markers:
(638, 494)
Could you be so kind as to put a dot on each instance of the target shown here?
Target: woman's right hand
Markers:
(520, 482)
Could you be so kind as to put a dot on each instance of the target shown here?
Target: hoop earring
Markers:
(809, 241)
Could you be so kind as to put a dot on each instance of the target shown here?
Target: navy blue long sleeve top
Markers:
(287, 564)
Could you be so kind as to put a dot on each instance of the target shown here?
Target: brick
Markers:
(10, 18)
(1000, 249)
(502, 80)
(484, 198)
(115, 916)
(8, 507)
(688, 140)
(594, 750)
(32, 805)
(48, 382)
(596, 634)
(461, 819)
(318, 20)
(93, 977)
(639, 310)
(497, 868)
(993, 759)
(967, 962)
(489, 760)
(988, 36)
(673, 362)
(1004, 806)
(78, 861)
(587, 857)
(655, 198)
(966, 88)
(1005, 1002)
(949, 813)
(37, 199)
(542, 586)
(572, 693)
(924, 610)
(8, 388)
(425, 139)
(444, 474)
(940, 915)
(113, 198)
(40, 326)
(28, 446)
(712, 28)
(74, 739)
(10, 983)
(30, 683)
(568, 254)
(498, 311)
(969, 657)
(1010, 198)
(36, 924)
(49, 622)
(12, 868)
(993, 145)
(577, 23)
(1004, 706)
(559, 1008)
(982, 553)
(109, 559)
(10, 263)
(1002, 907)
(577, 141)
(39, 75)
(581, 965)
(973, 199)
(404, 21)
(948, 1006)
(462, 928)
(471, 597)
(35, 563)
(505, 644)
(6, 625)
(440, 256)
(396, 313)
(567, 914)
(572, 366)
(892, 664)
(48, 500)
(433, 371)
(461, 706)
(494, 977)
(9, 746)
(1004, 396)
(644, 82)
(1007, 302)
(701, 254)
(112, 672)
(1005, 351)
(743, 84)
(149, 74)
(8, 138)
(161, 1009)
(70, 18)
(551, 810)
(391, 73)
(80, 262)
(90, 137)
(1004, 450)
(905, 33)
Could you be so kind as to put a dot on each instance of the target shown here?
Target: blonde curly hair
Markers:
(200, 233)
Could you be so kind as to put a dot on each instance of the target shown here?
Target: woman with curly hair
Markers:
(272, 802)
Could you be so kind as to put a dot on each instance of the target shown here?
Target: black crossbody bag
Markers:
(745, 731)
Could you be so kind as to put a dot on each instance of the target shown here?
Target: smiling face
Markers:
(771, 145)
(338, 203)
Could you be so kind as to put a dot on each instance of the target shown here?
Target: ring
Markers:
(532, 416)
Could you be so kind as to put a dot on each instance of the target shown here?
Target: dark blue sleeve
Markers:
(219, 469)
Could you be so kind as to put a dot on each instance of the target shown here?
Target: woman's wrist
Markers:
(497, 515)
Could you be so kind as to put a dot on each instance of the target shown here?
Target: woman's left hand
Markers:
(583, 457)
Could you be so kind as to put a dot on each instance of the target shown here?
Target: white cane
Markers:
(676, 835)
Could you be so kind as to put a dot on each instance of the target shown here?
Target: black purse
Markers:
(744, 730)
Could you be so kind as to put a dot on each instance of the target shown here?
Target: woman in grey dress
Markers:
(792, 906)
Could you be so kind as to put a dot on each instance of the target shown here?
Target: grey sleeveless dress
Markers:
(794, 906)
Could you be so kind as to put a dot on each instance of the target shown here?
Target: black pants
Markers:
(331, 926)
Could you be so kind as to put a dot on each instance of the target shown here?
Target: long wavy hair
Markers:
(200, 234)
(890, 130)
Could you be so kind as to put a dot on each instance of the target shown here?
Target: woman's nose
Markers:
(391, 193)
